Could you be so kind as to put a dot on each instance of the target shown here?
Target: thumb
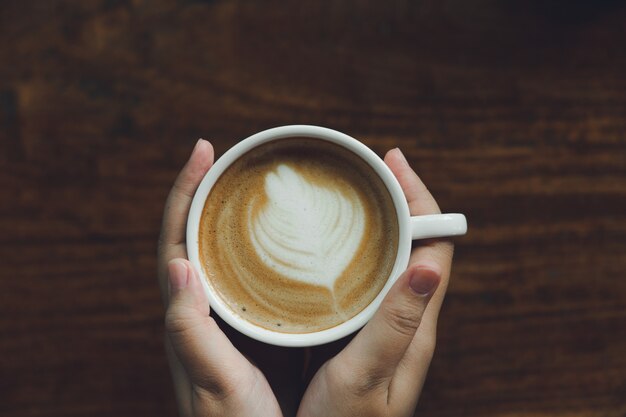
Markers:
(380, 345)
(205, 352)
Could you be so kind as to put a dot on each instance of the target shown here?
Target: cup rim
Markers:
(317, 132)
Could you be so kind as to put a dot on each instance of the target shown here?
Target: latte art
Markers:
(306, 232)
(298, 235)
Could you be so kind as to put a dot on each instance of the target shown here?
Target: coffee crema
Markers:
(298, 235)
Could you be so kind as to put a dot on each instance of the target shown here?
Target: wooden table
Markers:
(512, 112)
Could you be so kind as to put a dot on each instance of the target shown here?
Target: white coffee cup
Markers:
(410, 228)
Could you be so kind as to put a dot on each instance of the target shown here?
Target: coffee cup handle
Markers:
(438, 225)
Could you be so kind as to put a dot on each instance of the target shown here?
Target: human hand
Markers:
(211, 377)
(382, 370)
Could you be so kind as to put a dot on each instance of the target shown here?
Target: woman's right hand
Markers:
(380, 373)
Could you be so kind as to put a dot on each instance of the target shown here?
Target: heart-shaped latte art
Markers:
(306, 232)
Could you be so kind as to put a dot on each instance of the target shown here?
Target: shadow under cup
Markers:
(298, 232)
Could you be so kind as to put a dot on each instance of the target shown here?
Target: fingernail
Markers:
(402, 157)
(424, 281)
(196, 146)
(178, 275)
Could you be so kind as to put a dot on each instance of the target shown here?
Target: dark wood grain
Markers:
(512, 112)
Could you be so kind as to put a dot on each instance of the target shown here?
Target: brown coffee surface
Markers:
(259, 235)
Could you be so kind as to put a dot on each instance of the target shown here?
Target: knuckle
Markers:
(181, 319)
(368, 385)
(363, 393)
(355, 381)
(174, 322)
(161, 242)
(403, 319)
(164, 244)
(236, 384)
(209, 388)
(183, 188)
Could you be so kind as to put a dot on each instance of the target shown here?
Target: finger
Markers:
(181, 194)
(172, 239)
(378, 348)
(413, 367)
(205, 353)
(439, 252)
(417, 195)
(410, 374)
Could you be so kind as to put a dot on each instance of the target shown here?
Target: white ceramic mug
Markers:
(410, 228)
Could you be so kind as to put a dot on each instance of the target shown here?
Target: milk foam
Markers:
(306, 232)
(298, 235)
